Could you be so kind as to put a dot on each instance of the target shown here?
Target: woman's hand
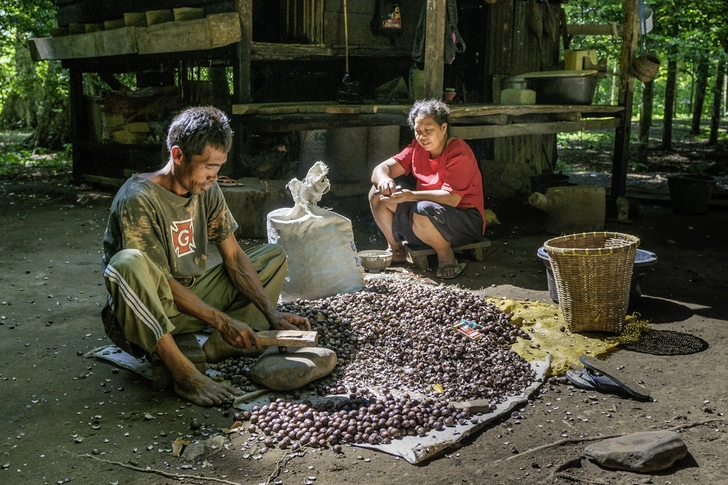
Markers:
(402, 195)
(386, 188)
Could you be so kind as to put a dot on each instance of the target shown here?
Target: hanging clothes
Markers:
(454, 43)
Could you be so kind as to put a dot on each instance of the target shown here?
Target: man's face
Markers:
(197, 173)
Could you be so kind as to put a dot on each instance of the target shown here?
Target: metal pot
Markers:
(565, 89)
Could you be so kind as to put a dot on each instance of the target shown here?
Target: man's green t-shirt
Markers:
(173, 231)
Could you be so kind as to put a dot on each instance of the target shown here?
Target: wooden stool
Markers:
(419, 257)
(190, 347)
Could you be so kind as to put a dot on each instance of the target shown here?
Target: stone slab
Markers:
(252, 200)
(641, 452)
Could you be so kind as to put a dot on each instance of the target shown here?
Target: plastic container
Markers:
(643, 261)
(417, 83)
(518, 96)
(690, 194)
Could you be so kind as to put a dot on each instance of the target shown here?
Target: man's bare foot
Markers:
(216, 349)
(203, 391)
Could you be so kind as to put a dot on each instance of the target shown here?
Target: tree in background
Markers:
(689, 36)
(33, 96)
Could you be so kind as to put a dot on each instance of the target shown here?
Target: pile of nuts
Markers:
(401, 336)
(362, 418)
(396, 336)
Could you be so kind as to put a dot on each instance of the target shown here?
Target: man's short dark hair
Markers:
(195, 128)
(433, 107)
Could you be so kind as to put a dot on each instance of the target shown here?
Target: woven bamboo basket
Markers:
(646, 67)
(593, 274)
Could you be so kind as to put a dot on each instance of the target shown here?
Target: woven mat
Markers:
(667, 342)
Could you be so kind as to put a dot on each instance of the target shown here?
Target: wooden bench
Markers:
(419, 257)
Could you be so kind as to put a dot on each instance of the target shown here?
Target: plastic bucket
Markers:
(643, 260)
(690, 194)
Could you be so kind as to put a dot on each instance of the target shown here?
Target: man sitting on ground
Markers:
(155, 253)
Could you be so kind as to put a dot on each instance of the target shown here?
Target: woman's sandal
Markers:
(450, 272)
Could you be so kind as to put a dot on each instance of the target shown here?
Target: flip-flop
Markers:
(592, 382)
(625, 383)
(459, 268)
(227, 181)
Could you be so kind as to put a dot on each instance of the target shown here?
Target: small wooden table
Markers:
(419, 257)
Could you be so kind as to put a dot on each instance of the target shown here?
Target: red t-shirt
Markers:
(455, 171)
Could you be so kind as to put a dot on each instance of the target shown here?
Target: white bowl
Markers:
(375, 260)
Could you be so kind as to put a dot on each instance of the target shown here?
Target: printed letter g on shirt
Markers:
(183, 237)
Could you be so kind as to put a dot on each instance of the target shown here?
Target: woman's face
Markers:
(431, 136)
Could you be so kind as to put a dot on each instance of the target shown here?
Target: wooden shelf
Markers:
(217, 30)
(468, 121)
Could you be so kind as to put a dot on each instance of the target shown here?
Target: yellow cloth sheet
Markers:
(549, 334)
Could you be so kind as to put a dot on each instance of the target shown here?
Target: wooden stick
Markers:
(284, 460)
(160, 472)
(604, 437)
(288, 338)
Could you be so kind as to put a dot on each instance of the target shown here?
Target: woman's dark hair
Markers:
(195, 128)
(433, 107)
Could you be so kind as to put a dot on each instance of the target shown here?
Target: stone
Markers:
(293, 369)
(200, 449)
(640, 452)
(251, 201)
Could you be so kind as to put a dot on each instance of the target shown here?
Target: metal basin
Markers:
(564, 89)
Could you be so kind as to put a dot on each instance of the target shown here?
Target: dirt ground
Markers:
(67, 419)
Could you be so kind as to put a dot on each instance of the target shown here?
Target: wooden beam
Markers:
(435, 47)
(78, 120)
(497, 131)
(301, 122)
(594, 29)
(215, 31)
(242, 84)
(620, 160)
(270, 51)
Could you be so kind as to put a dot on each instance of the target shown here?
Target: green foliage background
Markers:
(33, 96)
(695, 29)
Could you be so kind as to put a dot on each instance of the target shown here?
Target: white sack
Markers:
(322, 255)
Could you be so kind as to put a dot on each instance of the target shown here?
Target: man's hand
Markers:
(239, 334)
(289, 321)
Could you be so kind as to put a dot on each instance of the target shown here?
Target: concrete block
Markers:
(252, 200)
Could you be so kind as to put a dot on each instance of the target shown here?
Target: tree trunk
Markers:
(701, 86)
(669, 99)
(648, 94)
(717, 92)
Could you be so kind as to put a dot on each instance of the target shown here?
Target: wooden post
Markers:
(78, 121)
(241, 81)
(435, 47)
(620, 160)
